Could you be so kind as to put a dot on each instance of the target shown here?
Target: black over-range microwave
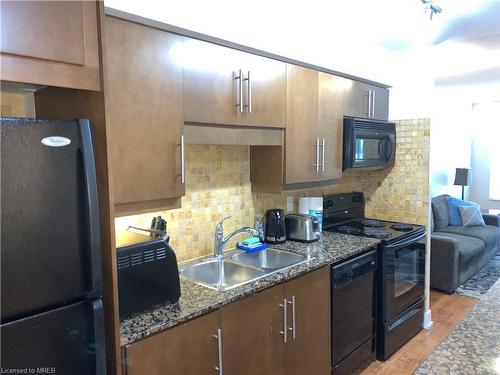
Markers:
(368, 143)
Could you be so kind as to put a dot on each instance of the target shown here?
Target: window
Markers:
(494, 190)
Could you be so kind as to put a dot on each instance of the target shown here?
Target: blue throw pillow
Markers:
(454, 212)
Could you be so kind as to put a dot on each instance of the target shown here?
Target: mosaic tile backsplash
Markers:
(218, 185)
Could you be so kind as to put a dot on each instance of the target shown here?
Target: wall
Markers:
(485, 137)
(454, 128)
(218, 185)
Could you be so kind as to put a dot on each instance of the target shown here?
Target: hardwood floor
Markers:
(447, 312)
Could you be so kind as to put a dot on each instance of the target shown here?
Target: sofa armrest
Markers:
(444, 263)
(490, 219)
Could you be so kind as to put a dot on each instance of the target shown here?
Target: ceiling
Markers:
(391, 41)
(475, 22)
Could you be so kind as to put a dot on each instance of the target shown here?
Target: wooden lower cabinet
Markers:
(310, 351)
(252, 336)
(188, 349)
(252, 343)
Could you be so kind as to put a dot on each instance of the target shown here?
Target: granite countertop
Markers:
(197, 300)
(473, 347)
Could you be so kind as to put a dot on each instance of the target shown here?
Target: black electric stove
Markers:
(401, 267)
(344, 213)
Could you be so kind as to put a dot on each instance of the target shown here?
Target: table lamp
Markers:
(461, 178)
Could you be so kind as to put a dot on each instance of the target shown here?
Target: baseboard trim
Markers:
(427, 319)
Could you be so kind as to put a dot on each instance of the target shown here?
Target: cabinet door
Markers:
(215, 93)
(301, 126)
(381, 105)
(50, 43)
(357, 99)
(188, 349)
(252, 343)
(310, 351)
(331, 124)
(264, 94)
(144, 104)
(212, 92)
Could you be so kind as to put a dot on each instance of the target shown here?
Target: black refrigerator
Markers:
(51, 282)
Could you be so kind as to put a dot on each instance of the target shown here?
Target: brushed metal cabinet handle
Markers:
(183, 159)
(373, 103)
(293, 327)
(323, 157)
(218, 336)
(239, 95)
(314, 164)
(284, 332)
(368, 113)
(249, 93)
(318, 145)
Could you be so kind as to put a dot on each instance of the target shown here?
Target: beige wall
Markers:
(218, 185)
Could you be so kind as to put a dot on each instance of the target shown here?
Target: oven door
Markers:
(402, 276)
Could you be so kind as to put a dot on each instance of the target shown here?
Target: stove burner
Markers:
(348, 229)
(402, 227)
(372, 223)
(376, 233)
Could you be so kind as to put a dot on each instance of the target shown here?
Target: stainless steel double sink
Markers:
(238, 268)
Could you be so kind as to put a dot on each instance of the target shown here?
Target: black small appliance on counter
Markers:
(147, 273)
(275, 226)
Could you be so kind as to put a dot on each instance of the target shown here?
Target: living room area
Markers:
(465, 234)
(462, 334)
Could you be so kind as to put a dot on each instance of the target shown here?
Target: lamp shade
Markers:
(461, 177)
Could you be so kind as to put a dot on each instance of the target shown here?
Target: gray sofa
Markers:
(458, 252)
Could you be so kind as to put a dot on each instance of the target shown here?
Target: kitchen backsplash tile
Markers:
(218, 185)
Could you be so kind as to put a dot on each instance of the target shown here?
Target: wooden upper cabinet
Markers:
(301, 150)
(331, 124)
(264, 91)
(52, 43)
(210, 89)
(144, 104)
(381, 103)
(217, 88)
(309, 350)
(252, 343)
(188, 349)
(364, 100)
(313, 135)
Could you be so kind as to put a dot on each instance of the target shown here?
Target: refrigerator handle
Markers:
(100, 341)
(93, 208)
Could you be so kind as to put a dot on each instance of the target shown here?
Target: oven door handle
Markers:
(404, 319)
(405, 242)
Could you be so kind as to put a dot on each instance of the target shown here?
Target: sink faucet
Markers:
(221, 241)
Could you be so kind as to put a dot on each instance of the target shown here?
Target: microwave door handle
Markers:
(388, 149)
(381, 147)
